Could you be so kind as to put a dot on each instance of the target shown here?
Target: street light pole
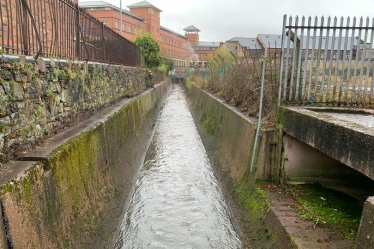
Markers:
(120, 16)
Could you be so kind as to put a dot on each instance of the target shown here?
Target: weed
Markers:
(239, 84)
(57, 100)
(48, 92)
(38, 111)
(209, 125)
(9, 96)
(292, 242)
(253, 199)
(4, 128)
(328, 207)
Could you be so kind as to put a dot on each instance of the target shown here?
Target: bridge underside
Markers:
(345, 136)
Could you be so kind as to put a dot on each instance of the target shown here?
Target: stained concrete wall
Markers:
(351, 144)
(337, 153)
(365, 236)
(228, 137)
(71, 193)
(303, 163)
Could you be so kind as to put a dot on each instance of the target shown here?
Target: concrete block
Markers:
(365, 236)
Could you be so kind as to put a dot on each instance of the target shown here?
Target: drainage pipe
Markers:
(259, 117)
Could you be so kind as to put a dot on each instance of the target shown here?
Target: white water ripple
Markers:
(177, 202)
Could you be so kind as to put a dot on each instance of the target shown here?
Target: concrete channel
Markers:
(108, 183)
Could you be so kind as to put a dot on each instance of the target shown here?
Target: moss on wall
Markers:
(76, 197)
(40, 99)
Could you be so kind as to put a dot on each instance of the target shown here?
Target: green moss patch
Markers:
(188, 87)
(209, 125)
(328, 207)
(254, 200)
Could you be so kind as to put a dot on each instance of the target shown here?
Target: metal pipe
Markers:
(259, 116)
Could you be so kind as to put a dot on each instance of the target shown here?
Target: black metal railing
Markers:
(58, 28)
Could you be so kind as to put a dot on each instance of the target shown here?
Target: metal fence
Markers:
(327, 61)
(58, 28)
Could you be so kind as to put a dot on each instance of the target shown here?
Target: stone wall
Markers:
(39, 99)
(72, 192)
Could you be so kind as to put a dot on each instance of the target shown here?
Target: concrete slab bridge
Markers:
(325, 100)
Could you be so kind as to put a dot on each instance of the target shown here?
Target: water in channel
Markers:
(177, 202)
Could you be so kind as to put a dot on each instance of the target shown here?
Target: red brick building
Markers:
(139, 17)
(201, 48)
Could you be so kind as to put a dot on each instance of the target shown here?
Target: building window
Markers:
(105, 23)
(124, 27)
(130, 29)
(116, 25)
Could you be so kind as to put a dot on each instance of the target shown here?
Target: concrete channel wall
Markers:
(228, 136)
(71, 193)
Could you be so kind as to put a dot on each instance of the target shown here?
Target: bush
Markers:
(238, 82)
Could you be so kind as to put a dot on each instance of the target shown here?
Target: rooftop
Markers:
(249, 43)
(275, 41)
(143, 4)
(271, 41)
(191, 29)
(102, 5)
(175, 33)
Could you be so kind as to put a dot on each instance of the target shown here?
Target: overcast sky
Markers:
(221, 20)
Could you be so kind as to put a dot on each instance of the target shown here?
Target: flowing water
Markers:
(177, 202)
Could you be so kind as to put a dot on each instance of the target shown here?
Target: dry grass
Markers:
(239, 86)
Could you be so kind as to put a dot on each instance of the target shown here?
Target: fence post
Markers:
(103, 39)
(77, 34)
(24, 27)
(281, 60)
